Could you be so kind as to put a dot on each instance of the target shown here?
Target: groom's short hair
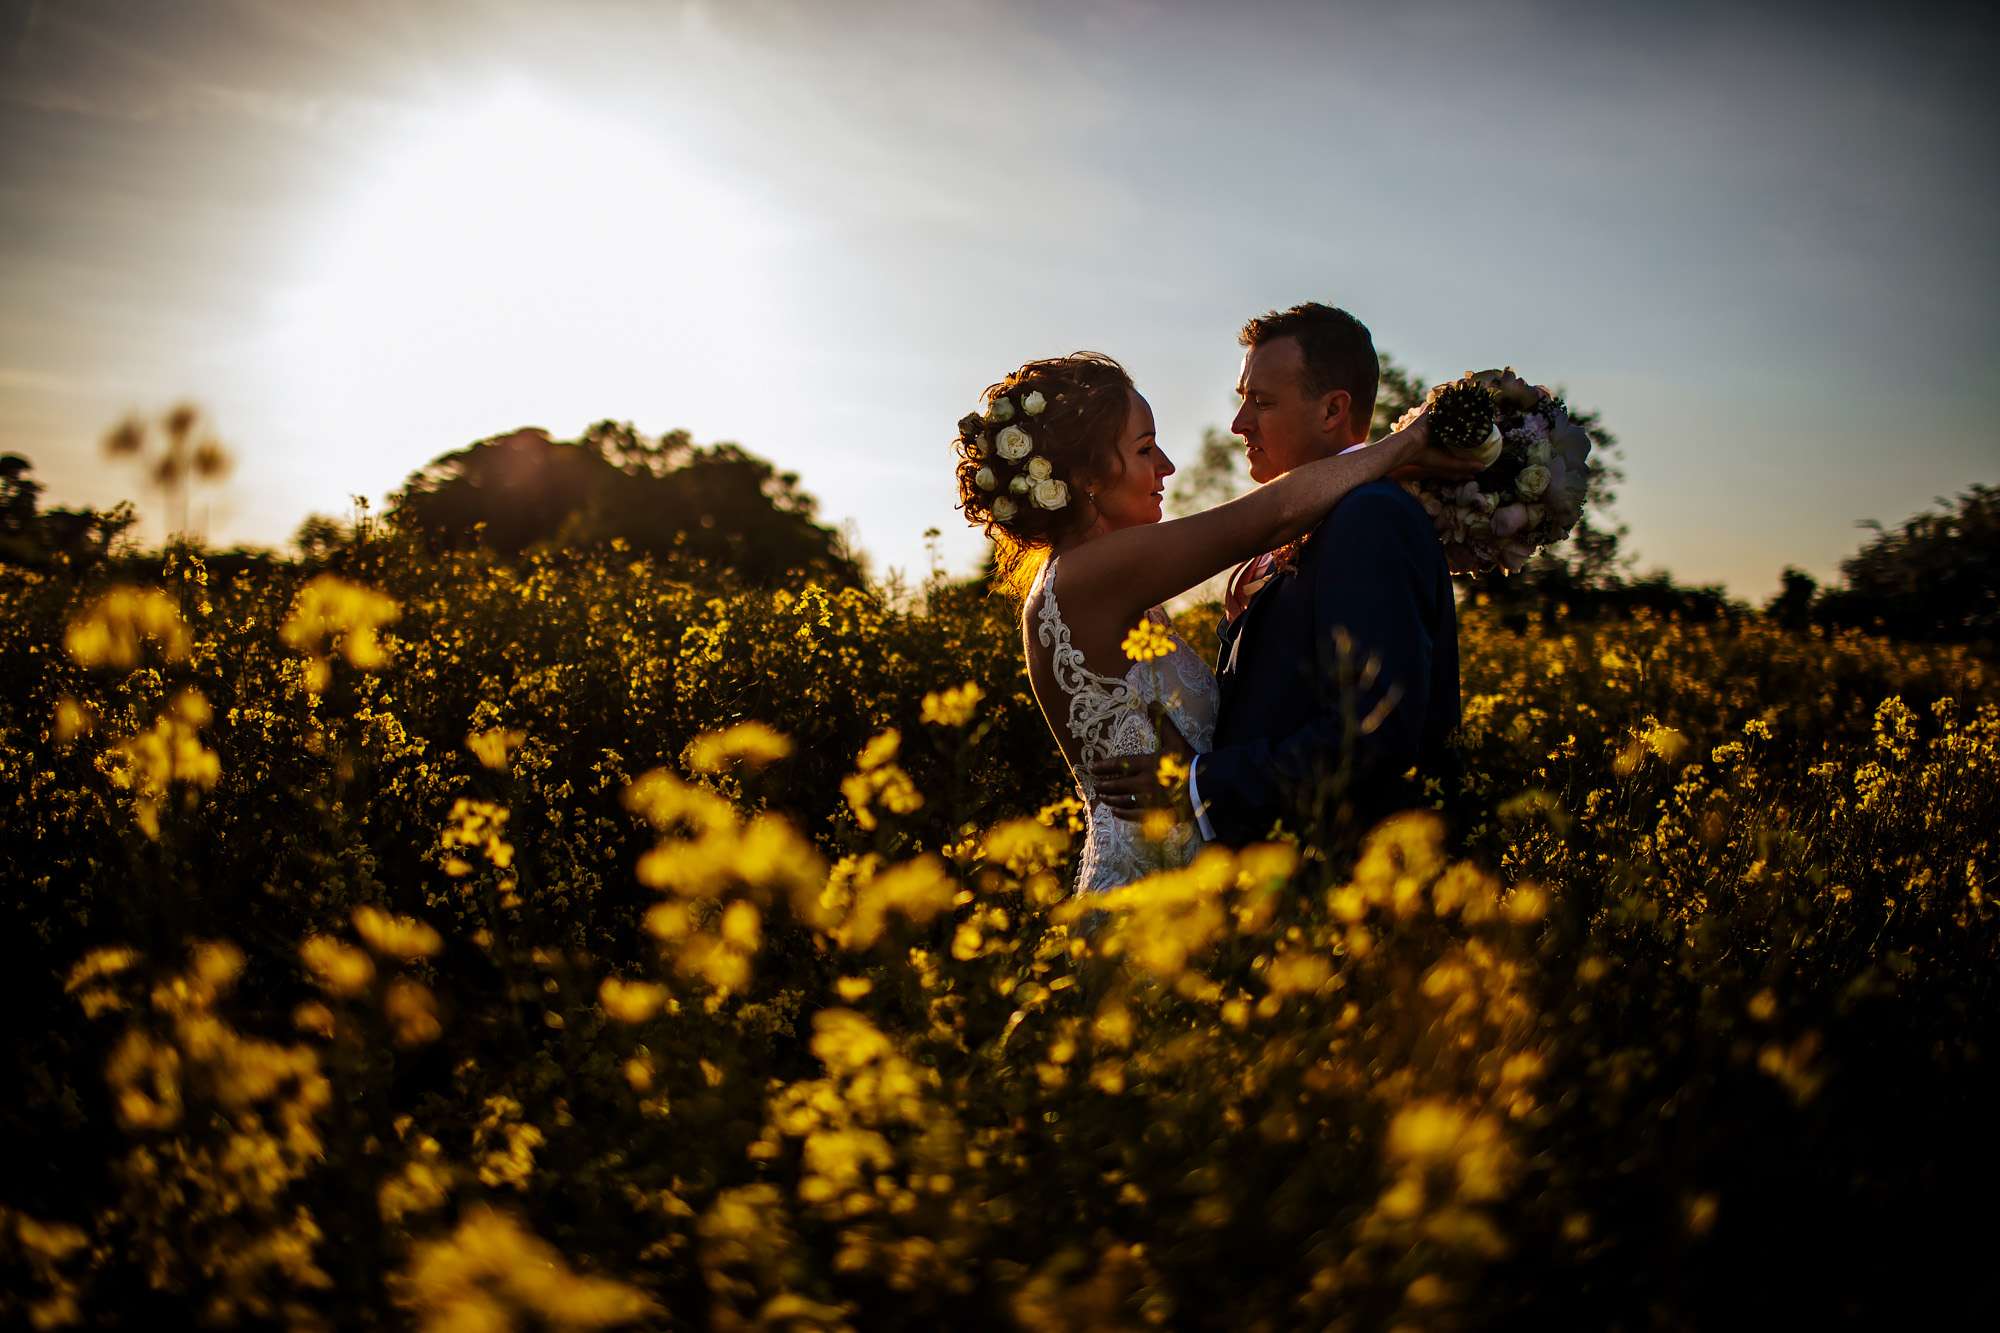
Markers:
(1339, 354)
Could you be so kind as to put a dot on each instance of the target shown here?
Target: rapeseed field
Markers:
(594, 942)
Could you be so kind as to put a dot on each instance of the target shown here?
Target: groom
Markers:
(1339, 654)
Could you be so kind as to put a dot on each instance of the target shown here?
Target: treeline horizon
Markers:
(1934, 577)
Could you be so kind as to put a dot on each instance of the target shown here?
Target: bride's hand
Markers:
(1428, 462)
(1130, 786)
(1422, 460)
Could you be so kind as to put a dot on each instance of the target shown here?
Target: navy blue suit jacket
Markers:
(1308, 732)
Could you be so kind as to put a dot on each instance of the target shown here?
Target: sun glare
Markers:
(521, 262)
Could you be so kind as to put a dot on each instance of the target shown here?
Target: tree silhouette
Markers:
(39, 537)
(1935, 577)
(662, 496)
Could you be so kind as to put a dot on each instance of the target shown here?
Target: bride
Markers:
(1063, 471)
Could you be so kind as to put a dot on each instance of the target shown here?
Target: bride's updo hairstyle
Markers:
(1026, 463)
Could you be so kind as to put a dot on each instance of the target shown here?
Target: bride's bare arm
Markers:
(1134, 568)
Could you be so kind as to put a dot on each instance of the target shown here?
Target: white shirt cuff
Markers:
(1194, 799)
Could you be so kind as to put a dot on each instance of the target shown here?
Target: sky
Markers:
(1759, 240)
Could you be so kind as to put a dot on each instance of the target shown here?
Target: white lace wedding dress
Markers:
(1107, 716)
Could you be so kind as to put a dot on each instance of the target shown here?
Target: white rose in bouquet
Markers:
(1013, 443)
(1038, 468)
(1532, 481)
(1051, 494)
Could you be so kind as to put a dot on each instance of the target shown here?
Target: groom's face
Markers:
(1281, 424)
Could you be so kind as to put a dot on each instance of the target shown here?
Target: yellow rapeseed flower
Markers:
(495, 747)
(331, 614)
(167, 754)
(412, 1012)
(396, 936)
(953, 707)
(844, 1040)
(1147, 641)
(73, 719)
(917, 890)
(112, 630)
(751, 743)
(880, 750)
(1025, 845)
(340, 969)
(493, 1273)
(631, 1001)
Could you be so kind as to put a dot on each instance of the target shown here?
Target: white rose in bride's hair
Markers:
(1038, 468)
(1532, 482)
(1004, 509)
(1013, 443)
(1034, 403)
(984, 479)
(1019, 485)
(1051, 494)
(1001, 411)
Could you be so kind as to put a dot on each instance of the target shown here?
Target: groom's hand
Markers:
(1135, 786)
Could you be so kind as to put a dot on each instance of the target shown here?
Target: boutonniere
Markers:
(1284, 560)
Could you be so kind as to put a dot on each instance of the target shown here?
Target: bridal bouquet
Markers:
(1537, 470)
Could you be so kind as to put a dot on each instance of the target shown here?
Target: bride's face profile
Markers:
(1132, 495)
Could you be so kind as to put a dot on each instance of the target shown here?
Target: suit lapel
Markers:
(1232, 643)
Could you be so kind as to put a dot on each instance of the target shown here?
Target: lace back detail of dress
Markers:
(1110, 716)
